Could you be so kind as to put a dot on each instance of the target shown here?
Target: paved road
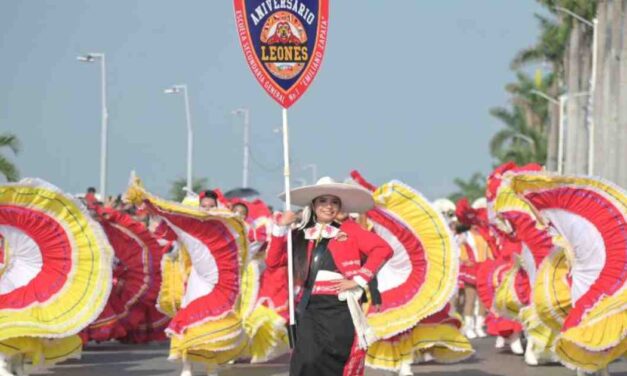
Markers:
(113, 359)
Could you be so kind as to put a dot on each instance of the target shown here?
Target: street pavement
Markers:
(114, 359)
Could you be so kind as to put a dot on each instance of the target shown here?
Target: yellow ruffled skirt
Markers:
(551, 291)
(267, 334)
(212, 343)
(541, 335)
(174, 272)
(82, 256)
(42, 351)
(508, 304)
(265, 328)
(600, 337)
(227, 340)
(443, 342)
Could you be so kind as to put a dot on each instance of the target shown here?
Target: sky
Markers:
(404, 92)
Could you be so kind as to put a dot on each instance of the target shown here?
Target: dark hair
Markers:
(242, 205)
(91, 190)
(210, 194)
(299, 250)
(460, 228)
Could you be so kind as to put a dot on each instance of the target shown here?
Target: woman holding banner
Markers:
(333, 264)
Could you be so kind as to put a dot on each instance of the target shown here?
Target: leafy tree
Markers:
(177, 193)
(554, 37)
(524, 91)
(584, 8)
(550, 48)
(473, 188)
(7, 168)
(526, 123)
(518, 141)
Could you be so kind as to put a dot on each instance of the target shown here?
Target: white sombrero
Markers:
(480, 203)
(444, 205)
(355, 199)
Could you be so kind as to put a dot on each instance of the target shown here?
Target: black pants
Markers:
(324, 338)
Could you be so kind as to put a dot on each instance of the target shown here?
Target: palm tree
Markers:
(535, 108)
(584, 8)
(550, 47)
(554, 38)
(177, 193)
(518, 141)
(7, 168)
(473, 188)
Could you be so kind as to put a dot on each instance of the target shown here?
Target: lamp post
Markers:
(560, 121)
(246, 114)
(90, 58)
(176, 89)
(561, 103)
(593, 74)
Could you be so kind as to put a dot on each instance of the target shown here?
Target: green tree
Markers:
(550, 48)
(473, 188)
(554, 36)
(524, 138)
(585, 8)
(518, 141)
(535, 108)
(529, 119)
(177, 193)
(7, 168)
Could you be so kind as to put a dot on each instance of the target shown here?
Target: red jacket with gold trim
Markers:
(346, 253)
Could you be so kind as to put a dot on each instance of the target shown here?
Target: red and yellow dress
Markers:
(55, 276)
(490, 275)
(476, 245)
(416, 284)
(590, 217)
(133, 277)
(206, 326)
(506, 283)
(264, 321)
(515, 296)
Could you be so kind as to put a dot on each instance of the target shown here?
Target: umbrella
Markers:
(241, 193)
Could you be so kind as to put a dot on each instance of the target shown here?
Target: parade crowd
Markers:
(382, 276)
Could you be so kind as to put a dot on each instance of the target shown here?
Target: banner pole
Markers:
(288, 207)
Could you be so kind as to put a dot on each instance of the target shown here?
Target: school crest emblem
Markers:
(283, 43)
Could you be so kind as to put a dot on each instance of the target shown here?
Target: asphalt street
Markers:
(114, 359)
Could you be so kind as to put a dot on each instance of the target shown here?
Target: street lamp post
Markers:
(560, 144)
(176, 89)
(560, 127)
(246, 114)
(561, 103)
(592, 86)
(90, 58)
